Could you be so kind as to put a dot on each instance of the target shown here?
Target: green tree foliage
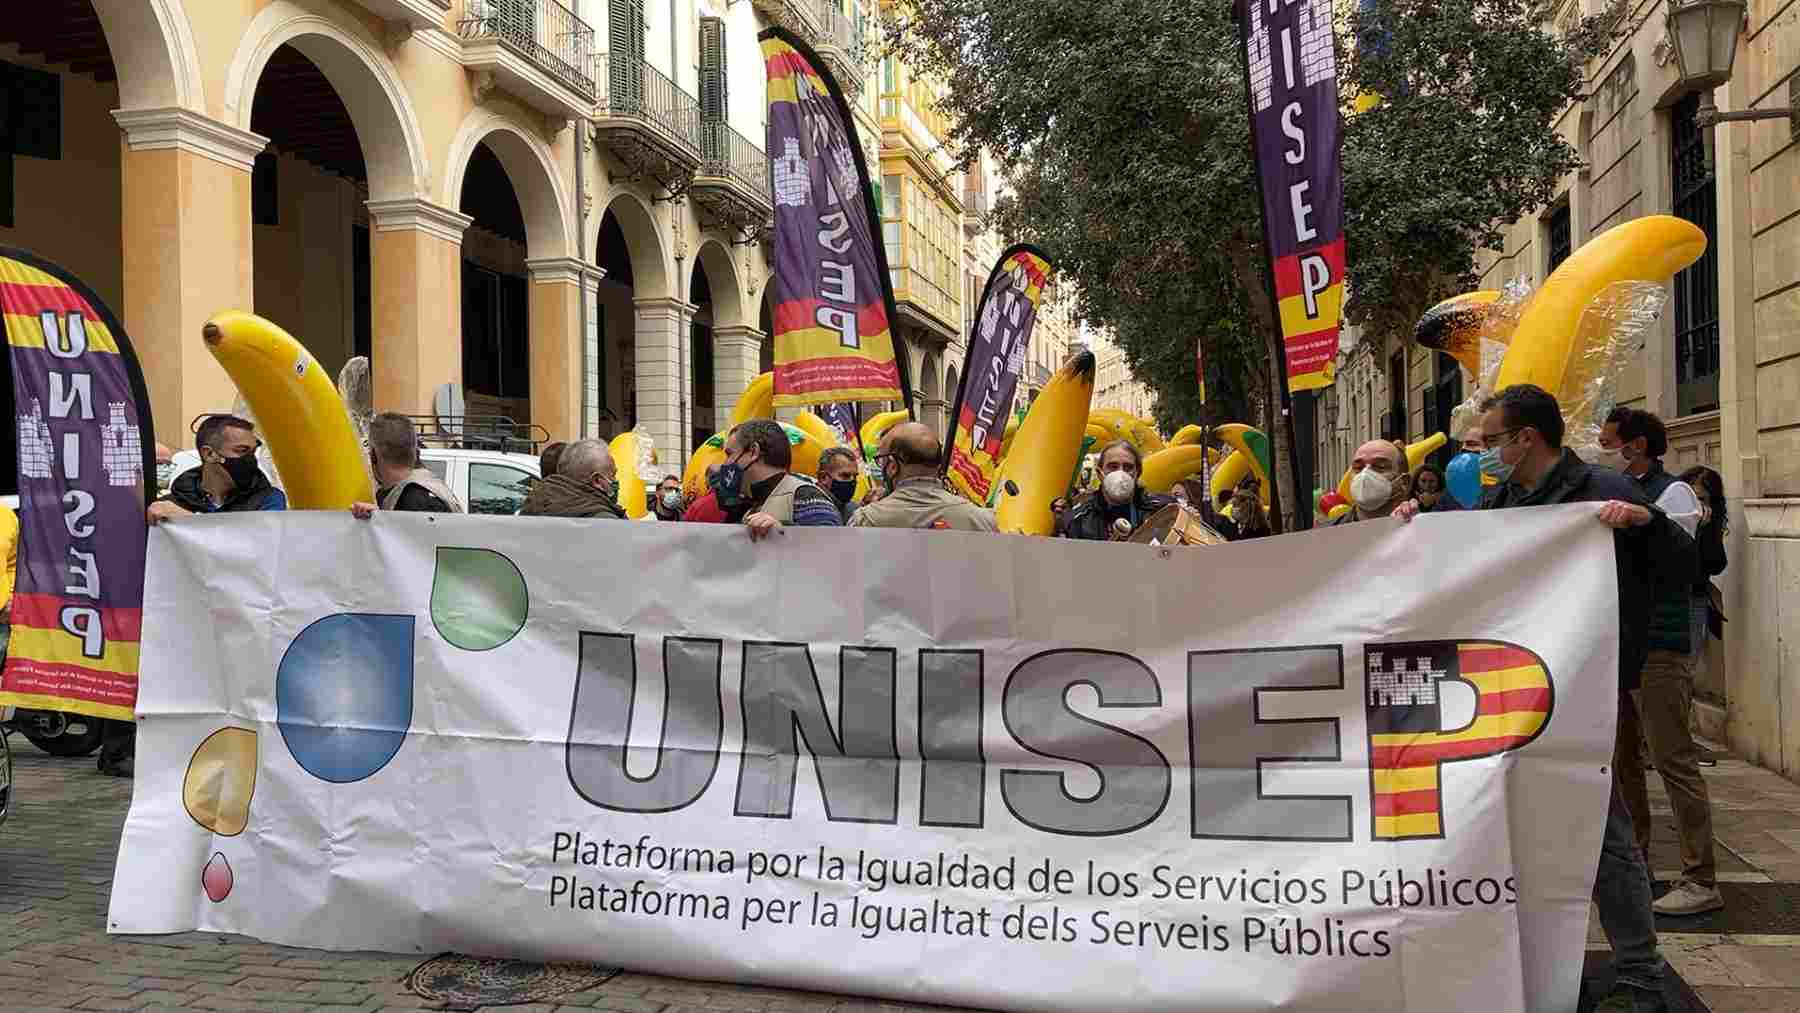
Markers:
(1124, 129)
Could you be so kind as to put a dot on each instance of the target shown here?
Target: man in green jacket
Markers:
(909, 459)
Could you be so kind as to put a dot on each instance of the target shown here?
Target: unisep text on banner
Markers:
(888, 762)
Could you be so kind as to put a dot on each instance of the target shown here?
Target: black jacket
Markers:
(1671, 613)
(1649, 559)
(1091, 519)
(187, 493)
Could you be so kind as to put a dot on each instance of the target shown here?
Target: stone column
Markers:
(415, 301)
(592, 397)
(186, 241)
(664, 376)
(558, 348)
(737, 359)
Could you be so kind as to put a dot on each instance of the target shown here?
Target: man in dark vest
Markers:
(401, 482)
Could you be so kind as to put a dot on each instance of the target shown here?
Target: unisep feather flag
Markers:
(833, 300)
(87, 468)
(990, 377)
(1290, 69)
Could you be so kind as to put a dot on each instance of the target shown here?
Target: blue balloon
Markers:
(344, 694)
(1464, 476)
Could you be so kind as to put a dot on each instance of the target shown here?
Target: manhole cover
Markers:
(453, 981)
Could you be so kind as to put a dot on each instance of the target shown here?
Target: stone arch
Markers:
(722, 276)
(365, 80)
(643, 241)
(931, 393)
(152, 46)
(530, 167)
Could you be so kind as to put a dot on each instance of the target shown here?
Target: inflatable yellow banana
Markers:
(1416, 453)
(1012, 430)
(1172, 464)
(632, 496)
(817, 428)
(693, 477)
(1249, 454)
(1454, 327)
(1651, 249)
(1045, 451)
(876, 427)
(757, 401)
(323, 464)
(1187, 436)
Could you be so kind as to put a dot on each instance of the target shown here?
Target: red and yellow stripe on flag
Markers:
(1407, 746)
(1310, 316)
(84, 450)
(833, 305)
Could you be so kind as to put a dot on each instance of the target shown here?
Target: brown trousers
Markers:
(1657, 713)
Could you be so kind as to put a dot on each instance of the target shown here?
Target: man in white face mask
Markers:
(1114, 512)
(1378, 481)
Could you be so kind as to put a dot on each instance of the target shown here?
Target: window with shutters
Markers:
(715, 105)
(625, 49)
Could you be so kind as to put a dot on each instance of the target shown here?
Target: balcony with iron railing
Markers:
(646, 120)
(536, 50)
(732, 186)
(975, 210)
(841, 45)
(798, 16)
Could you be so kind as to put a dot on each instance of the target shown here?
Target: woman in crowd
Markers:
(1247, 511)
(1119, 506)
(1432, 492)
(1709, 538)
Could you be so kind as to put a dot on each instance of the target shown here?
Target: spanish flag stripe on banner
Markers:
(832, 300)
(1400, 827)
(1406, 779)
(1407, 803)
(87, 464)
(1420, 753)
(1514, 697)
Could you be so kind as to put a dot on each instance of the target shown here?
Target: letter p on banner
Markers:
(1408, 740)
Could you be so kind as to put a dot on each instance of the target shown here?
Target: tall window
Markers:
(1697, 288)
(715, 103)
(1396, 396)
(1561, 243)
(1441, 399)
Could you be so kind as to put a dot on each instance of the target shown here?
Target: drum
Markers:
(1176, 524)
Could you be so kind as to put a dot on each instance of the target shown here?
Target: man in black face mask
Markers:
(755, 487)
(838, 473)
(228, 479)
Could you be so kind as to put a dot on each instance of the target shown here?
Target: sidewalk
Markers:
(56, 864)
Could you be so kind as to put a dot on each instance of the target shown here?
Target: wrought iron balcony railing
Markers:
(727, 154)
(543, 32)
(631, 89)
(840, 30)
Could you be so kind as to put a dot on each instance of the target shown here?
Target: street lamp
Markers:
(1704, 36)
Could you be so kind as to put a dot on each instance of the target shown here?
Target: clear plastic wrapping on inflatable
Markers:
(646, 453)
(357, 387)
(1612, 328)
(1500, 319)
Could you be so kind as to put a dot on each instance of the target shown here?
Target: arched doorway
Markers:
(765, 322)
(496, 293)
(950, 382)
(702, 422)
(309, 227)
(65, 66)
(635, 316)
(523, 350)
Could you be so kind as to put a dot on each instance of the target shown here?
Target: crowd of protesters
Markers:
(1666, 601)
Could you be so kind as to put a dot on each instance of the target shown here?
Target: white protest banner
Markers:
(1360, 768)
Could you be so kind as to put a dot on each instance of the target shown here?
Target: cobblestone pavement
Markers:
(56, 865)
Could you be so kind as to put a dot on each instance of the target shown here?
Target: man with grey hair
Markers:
(401, 482)
(585, 485)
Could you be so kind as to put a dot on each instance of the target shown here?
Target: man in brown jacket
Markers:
(586, 484)
(909, 460)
